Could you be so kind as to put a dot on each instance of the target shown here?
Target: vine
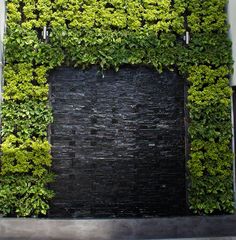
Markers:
(109, 34)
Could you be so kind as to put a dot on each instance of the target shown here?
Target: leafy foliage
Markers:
(210, 163)
(108, 33)
(23, 82)
(24, 195)
(25, 156)
(24, 175)
(112, 33)
(209, 68)
(26, 119)
(207, 16)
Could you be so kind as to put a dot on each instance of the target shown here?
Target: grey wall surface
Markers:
(118, 143)
(2, 28)
(232, 22)
(232, 34)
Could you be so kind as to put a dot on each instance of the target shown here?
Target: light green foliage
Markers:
(24, 176)
(134, 15)
(25, 156)
(210, 163)
(207, 16)
(24, 82)
(109, 33)
(209, 67)
(112, 33)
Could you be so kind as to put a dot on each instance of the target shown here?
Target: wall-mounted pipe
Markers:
(232, 33)
(233, 143)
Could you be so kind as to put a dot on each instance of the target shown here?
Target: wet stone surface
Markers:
(118, 143)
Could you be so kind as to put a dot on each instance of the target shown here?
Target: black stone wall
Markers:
(118, 143)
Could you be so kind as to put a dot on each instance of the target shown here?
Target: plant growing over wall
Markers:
(112, 33)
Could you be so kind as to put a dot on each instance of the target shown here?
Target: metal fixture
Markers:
(45, 33)
(232, 35)
(187, 37)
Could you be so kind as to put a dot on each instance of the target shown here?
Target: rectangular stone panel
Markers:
(118, 143)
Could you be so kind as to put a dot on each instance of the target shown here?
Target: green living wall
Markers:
(109, 34)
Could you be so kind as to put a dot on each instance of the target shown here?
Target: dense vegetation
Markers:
(112, 33)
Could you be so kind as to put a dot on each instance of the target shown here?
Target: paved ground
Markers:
(186, 228)
(218, 238)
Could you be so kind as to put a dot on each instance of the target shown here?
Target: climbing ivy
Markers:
(109, 34)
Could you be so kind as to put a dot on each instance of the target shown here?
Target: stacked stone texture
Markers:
(118, 143)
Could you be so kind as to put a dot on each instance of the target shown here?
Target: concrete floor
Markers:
(217, 228)
(216, 238)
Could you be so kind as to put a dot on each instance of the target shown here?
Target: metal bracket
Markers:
(45, 33)
(187, 37)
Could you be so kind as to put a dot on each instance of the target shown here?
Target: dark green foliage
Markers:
(30, 49)
(206, 49)
(24, 195)
(112, 33)
(26, 119)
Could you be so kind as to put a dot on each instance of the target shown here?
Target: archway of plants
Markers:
(109, 34)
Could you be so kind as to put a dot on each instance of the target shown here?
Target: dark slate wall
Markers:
(118, 143)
